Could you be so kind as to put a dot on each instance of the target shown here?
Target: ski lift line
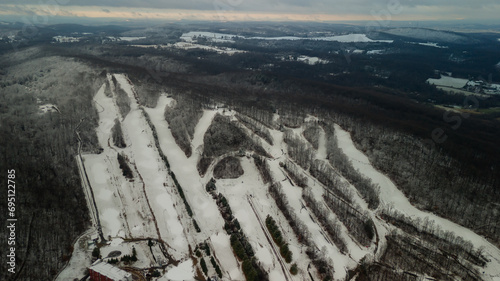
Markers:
(86, 181)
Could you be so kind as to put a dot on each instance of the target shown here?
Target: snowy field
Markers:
(448, 81)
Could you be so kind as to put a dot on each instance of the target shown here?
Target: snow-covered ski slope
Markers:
(149, 206)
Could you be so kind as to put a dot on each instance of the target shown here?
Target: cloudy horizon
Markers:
(256, 10)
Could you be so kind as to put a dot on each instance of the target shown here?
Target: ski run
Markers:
(146, 214)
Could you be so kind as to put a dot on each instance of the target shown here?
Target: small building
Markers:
(102, 271)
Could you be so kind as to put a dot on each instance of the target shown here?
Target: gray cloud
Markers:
(368, 8)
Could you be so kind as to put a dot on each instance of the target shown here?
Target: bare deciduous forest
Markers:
(48, 116)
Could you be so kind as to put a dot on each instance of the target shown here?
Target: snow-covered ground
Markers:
(221, 37)
(390, 195)
(429, 44)
(80, 258)
(448, 81)
(148, 206)
(213, 36)
(184, 271)
(204, 208)
(153, 173)
(238, 193)
(348, 38)
(44, 108)
(130, 38)
(114, 194)
(311, 60)
(220, 50)
(138, 208)
(375, 52)
(65, 39)
(435, 45)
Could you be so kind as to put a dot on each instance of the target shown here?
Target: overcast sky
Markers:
(319, 10)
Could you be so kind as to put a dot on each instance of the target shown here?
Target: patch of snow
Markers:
(448, 82)
(222, 246)
(220, 50)
(435, 45)
(146, 46)
(65, 39)
(130, 38)
(321, 153)
(311, 60)
(44, 108)
(184, 271)
(348, 38)
(429, 44)
(211, 36)
(375, 52)
(80, 258)
(220, 37)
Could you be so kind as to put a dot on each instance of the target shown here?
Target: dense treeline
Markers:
(228, 168)
(412, 255)
(433, 180)
(182, 118)
(122, 99)
(427, 230)
(273, 228)
(41, 148)
(239, 241)
(318, 258)
(224, 137)
(368, 190)
(311, 134)
(325, 174)
(117, 134)
(263, 167)
(263, 116)
(295, 173)
(291, 116)
(256, 127)
(123, 162)
(357, 222)
(332, 226)
(300, 151)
